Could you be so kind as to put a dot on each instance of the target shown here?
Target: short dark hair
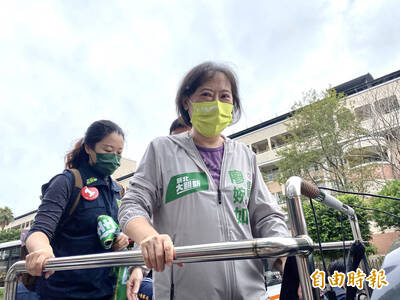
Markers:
(176, 124)
(198, 76)
(95, 133)
(337, 265)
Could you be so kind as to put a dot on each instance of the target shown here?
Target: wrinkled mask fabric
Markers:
(106, 163)
(211, 118)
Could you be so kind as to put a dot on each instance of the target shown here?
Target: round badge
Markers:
(89, 193)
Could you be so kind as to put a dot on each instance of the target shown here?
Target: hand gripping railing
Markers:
(295, 187)
(301, 246)
(256, 248)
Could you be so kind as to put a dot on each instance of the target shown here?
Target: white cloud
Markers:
(66, 64)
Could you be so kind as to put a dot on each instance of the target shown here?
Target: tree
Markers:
(6, 216)
(380, 114)
(384, 221)
(331, 221)
(320, 135)
(10, 235)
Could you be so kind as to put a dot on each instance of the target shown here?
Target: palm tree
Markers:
(6, 216)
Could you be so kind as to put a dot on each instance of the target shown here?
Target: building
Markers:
(364, 95)
(22, 222)
(125, 171)
(264, 139)
(121, 175)
(367, 98)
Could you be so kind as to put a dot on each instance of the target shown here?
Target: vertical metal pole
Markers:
(299, 228)
(357, 236)
(355, 229)
(10, 289)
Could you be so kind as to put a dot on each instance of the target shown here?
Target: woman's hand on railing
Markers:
(36, 261)
(158, 251)
(121, 242)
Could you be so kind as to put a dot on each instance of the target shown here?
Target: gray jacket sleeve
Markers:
(143, 193)
(266, 217)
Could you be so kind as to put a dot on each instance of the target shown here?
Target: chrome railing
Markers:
(295, 187)
(300, 245)
(256, 248)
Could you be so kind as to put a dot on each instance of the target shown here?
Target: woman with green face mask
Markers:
(67, 219)
(201, 187)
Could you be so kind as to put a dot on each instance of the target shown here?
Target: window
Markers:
(387, 105)
(365, 156)
(279, 140)
(270, 174)
(314, 168)
(369, 159)
(260, 147)
(363, 112)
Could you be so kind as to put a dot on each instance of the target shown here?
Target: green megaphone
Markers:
(107, 230)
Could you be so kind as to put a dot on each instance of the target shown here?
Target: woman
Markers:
(201, 187)
(57, 232)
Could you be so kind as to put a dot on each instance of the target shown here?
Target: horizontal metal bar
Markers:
(333, 245)
(256, 248)
(264, 247)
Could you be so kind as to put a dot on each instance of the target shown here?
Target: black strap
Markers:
(172, 291)
(290, 280)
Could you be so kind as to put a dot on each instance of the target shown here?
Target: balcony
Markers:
(279, 140)
(260, 147)
(364, 143)
(266, 157)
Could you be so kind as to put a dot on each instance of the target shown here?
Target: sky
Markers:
(65, 64)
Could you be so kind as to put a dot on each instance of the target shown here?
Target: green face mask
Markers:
(211, 118)
(106, 163)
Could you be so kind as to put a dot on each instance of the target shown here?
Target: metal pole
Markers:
(364, 263)
(333, 245)
(299, 228)
(295, 187)
(256, 248)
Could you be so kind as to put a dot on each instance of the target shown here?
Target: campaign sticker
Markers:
(90, 193)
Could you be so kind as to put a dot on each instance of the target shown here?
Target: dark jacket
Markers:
(76, 234)
(340, 293)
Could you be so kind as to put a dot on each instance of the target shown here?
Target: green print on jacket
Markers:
(236, 176)
(239, 192)
(184, 184)
(91, 180)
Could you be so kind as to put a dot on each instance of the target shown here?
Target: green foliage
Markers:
(6, 216)
(331, 222)
(317, 134)
(384, 221)
(10, 235)
(370, 249)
